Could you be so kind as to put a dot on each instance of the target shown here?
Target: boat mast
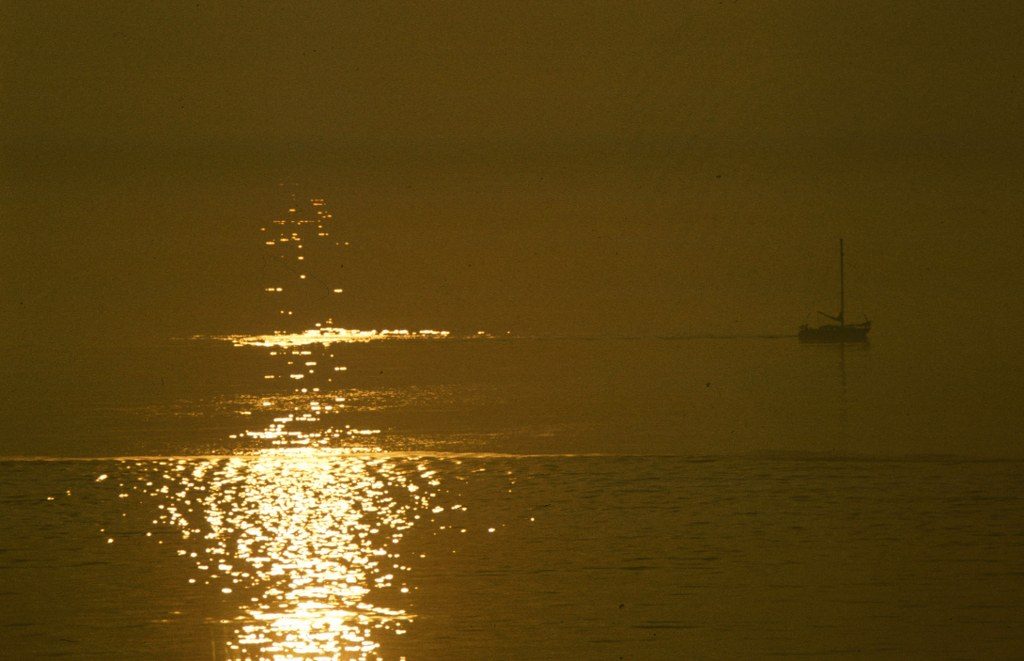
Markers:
(842, 288)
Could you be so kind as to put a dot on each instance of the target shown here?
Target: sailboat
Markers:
(839, 331)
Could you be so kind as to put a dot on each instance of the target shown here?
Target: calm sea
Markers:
(493, 496)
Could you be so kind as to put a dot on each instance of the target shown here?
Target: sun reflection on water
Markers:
(304, 542)
(301, 532)
(325, 335)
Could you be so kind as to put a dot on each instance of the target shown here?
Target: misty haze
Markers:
(526, 330)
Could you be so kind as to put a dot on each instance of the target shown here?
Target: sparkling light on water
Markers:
(305, 541)
(302, 531)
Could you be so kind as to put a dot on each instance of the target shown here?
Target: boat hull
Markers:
(833, 334)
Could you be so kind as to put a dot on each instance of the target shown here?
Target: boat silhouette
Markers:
(839, 331)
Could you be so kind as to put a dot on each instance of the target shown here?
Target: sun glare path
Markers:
(302, 529)
(305, 542)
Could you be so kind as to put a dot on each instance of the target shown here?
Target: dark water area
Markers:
(507, 394)
(316, 492)
(292, 485)
(522, 497)
(426, 556)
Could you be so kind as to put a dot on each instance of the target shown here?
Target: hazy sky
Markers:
(637, 167)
